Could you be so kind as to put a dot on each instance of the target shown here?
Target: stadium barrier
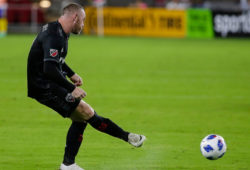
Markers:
(151, 22)
(24, 18)
(3, 22)
(155, 22)
(199, 23)
(137, 22)
(3, 26)
(231, 24)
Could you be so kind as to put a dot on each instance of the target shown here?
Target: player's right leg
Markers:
(84, 112)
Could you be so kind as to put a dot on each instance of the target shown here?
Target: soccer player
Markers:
(47, 84)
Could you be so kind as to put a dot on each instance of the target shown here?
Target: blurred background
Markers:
(154, 18)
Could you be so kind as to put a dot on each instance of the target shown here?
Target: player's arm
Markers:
(75, 78)
(52, 45)
(68, 70)
(52, 72)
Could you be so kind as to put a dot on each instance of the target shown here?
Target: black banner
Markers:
(231, 24)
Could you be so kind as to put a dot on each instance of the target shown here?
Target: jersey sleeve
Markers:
(68, 70)
(52, 46)
(52, 72)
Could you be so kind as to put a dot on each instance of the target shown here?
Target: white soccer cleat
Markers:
(70, 167)
(136, 140)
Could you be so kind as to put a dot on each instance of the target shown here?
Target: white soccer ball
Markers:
(213, 147)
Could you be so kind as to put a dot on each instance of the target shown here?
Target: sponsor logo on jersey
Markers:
(53, 52)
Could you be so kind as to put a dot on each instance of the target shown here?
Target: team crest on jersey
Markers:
(53, 52)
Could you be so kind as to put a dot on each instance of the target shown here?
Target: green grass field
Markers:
(175, 91)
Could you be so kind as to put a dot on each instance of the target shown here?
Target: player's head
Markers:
(76, 15)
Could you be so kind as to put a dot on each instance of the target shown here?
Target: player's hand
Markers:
(76, 79)
(78, 93)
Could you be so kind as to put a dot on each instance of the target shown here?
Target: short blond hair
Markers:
(72, 7)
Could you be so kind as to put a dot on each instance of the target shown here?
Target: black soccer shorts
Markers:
(64, 105)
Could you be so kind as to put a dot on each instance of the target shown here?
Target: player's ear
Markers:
(75, 17)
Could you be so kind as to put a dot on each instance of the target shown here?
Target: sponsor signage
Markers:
(156, 22)
(199, 23)
(138, 22)
(231, 24)
(3, 21)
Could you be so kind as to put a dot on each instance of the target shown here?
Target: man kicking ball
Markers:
(47, 84)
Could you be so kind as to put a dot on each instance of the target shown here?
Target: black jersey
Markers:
(46, 61)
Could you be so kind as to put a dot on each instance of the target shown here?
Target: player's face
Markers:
(79, 23)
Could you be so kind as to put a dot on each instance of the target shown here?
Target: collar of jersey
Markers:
(66, 35)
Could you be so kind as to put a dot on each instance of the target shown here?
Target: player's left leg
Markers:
(74, 137)
(85, 112)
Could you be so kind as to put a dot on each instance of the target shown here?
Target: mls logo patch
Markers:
(53, 52)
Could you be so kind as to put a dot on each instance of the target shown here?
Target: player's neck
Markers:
(66, 27)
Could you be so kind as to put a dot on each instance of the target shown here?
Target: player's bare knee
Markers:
(85, 110)
(88, 113)
(80, 108)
